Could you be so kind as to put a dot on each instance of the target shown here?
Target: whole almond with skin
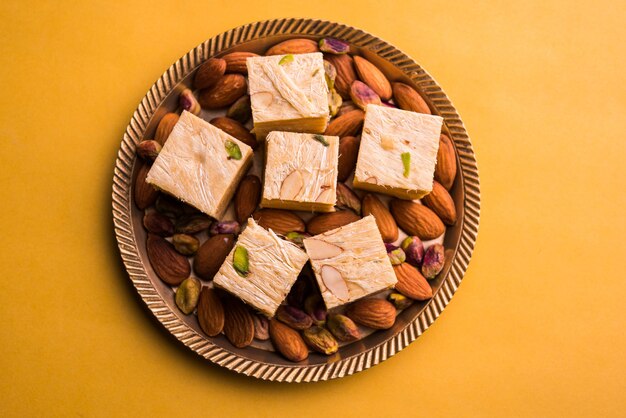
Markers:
(165, 127)
(372, 313)
(236, 62)
(348, 153)
(407, 98)
(212, 254)
(209, 73)
(247, 197)
(159, 224)
(227, 89)
(294, 46)
(373, 77)
(210, 312)
(445, 170)
(344, 64)
(416, 219)
(145, 194)
(288, 341)
(346, 106)
(235, 129)
(169, 265)
(238, 323)
(347, 124)
(387, 226)
(329, 221)
(440, 201)
(280, 221)
(411, 283)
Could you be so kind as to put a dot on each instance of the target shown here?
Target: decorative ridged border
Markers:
(122, 201)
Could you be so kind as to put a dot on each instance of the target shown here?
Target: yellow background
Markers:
(536, 329)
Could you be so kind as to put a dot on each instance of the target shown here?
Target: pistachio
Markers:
(225, 227)
(296, 238)
(362, 95)
(240, 261)
(241, 111)
(399, 300)
(390, 247)
(343, 328)
(321, 139)
(406, 162)
(397, 256)
(232, 150)
(433, 261)
(148, 150)
(414, 250)
(192, 224)
(187, 295)
(261, 328)
(158, 223)
(330, 74)
(334, 102)
(185, 244)
(189, 102)
(334, 46)
(293, 317)
(286, 59)
(315, 308)
(320, 340)
(347, 199)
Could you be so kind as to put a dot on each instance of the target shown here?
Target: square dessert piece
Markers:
(201, 165)
(261, 268)
(300, 171)
(398, 152)
(350, 262)
(288, 93)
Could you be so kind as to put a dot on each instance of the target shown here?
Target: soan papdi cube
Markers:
(300, 171)
(201, 165)
(398, 152)
(350, 262)
(288, 93)
(261, 268)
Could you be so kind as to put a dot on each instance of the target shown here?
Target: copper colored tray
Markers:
(377, 347)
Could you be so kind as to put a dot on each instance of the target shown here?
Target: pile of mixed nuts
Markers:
(180, 238)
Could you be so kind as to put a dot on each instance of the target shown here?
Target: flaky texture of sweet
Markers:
(195, 167)
(300, 171)
(288, 96)
(274, 265)
(387, 134)
(361, 261)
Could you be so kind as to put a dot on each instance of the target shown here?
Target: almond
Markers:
(212, 254)
(165, 127)
(346, 106)
(348, 153)
(235, 129)
(411, 283)
(347, 124)
(158, 224)
(445, 170)
(329, 221)
(334, 282)
(280, 221)
(407, 98)
(416, 219)
(209, 73)
(210, 312)
(236, 62)
(227, 89)
(387, 226)
(247, 197)
(292, 185)
(318, 249)
(145, 194)
(372, 313)
(170, 266)
(238, 323)
(440, 201)
(344, 64)
(373, 77)
(288, 341)
(294, 46)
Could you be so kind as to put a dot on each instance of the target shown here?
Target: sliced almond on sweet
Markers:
(264, 98)
(334, 282)
(291, 186)
(326, 195)
(387, 143)
(372, 180)
(319, 250)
